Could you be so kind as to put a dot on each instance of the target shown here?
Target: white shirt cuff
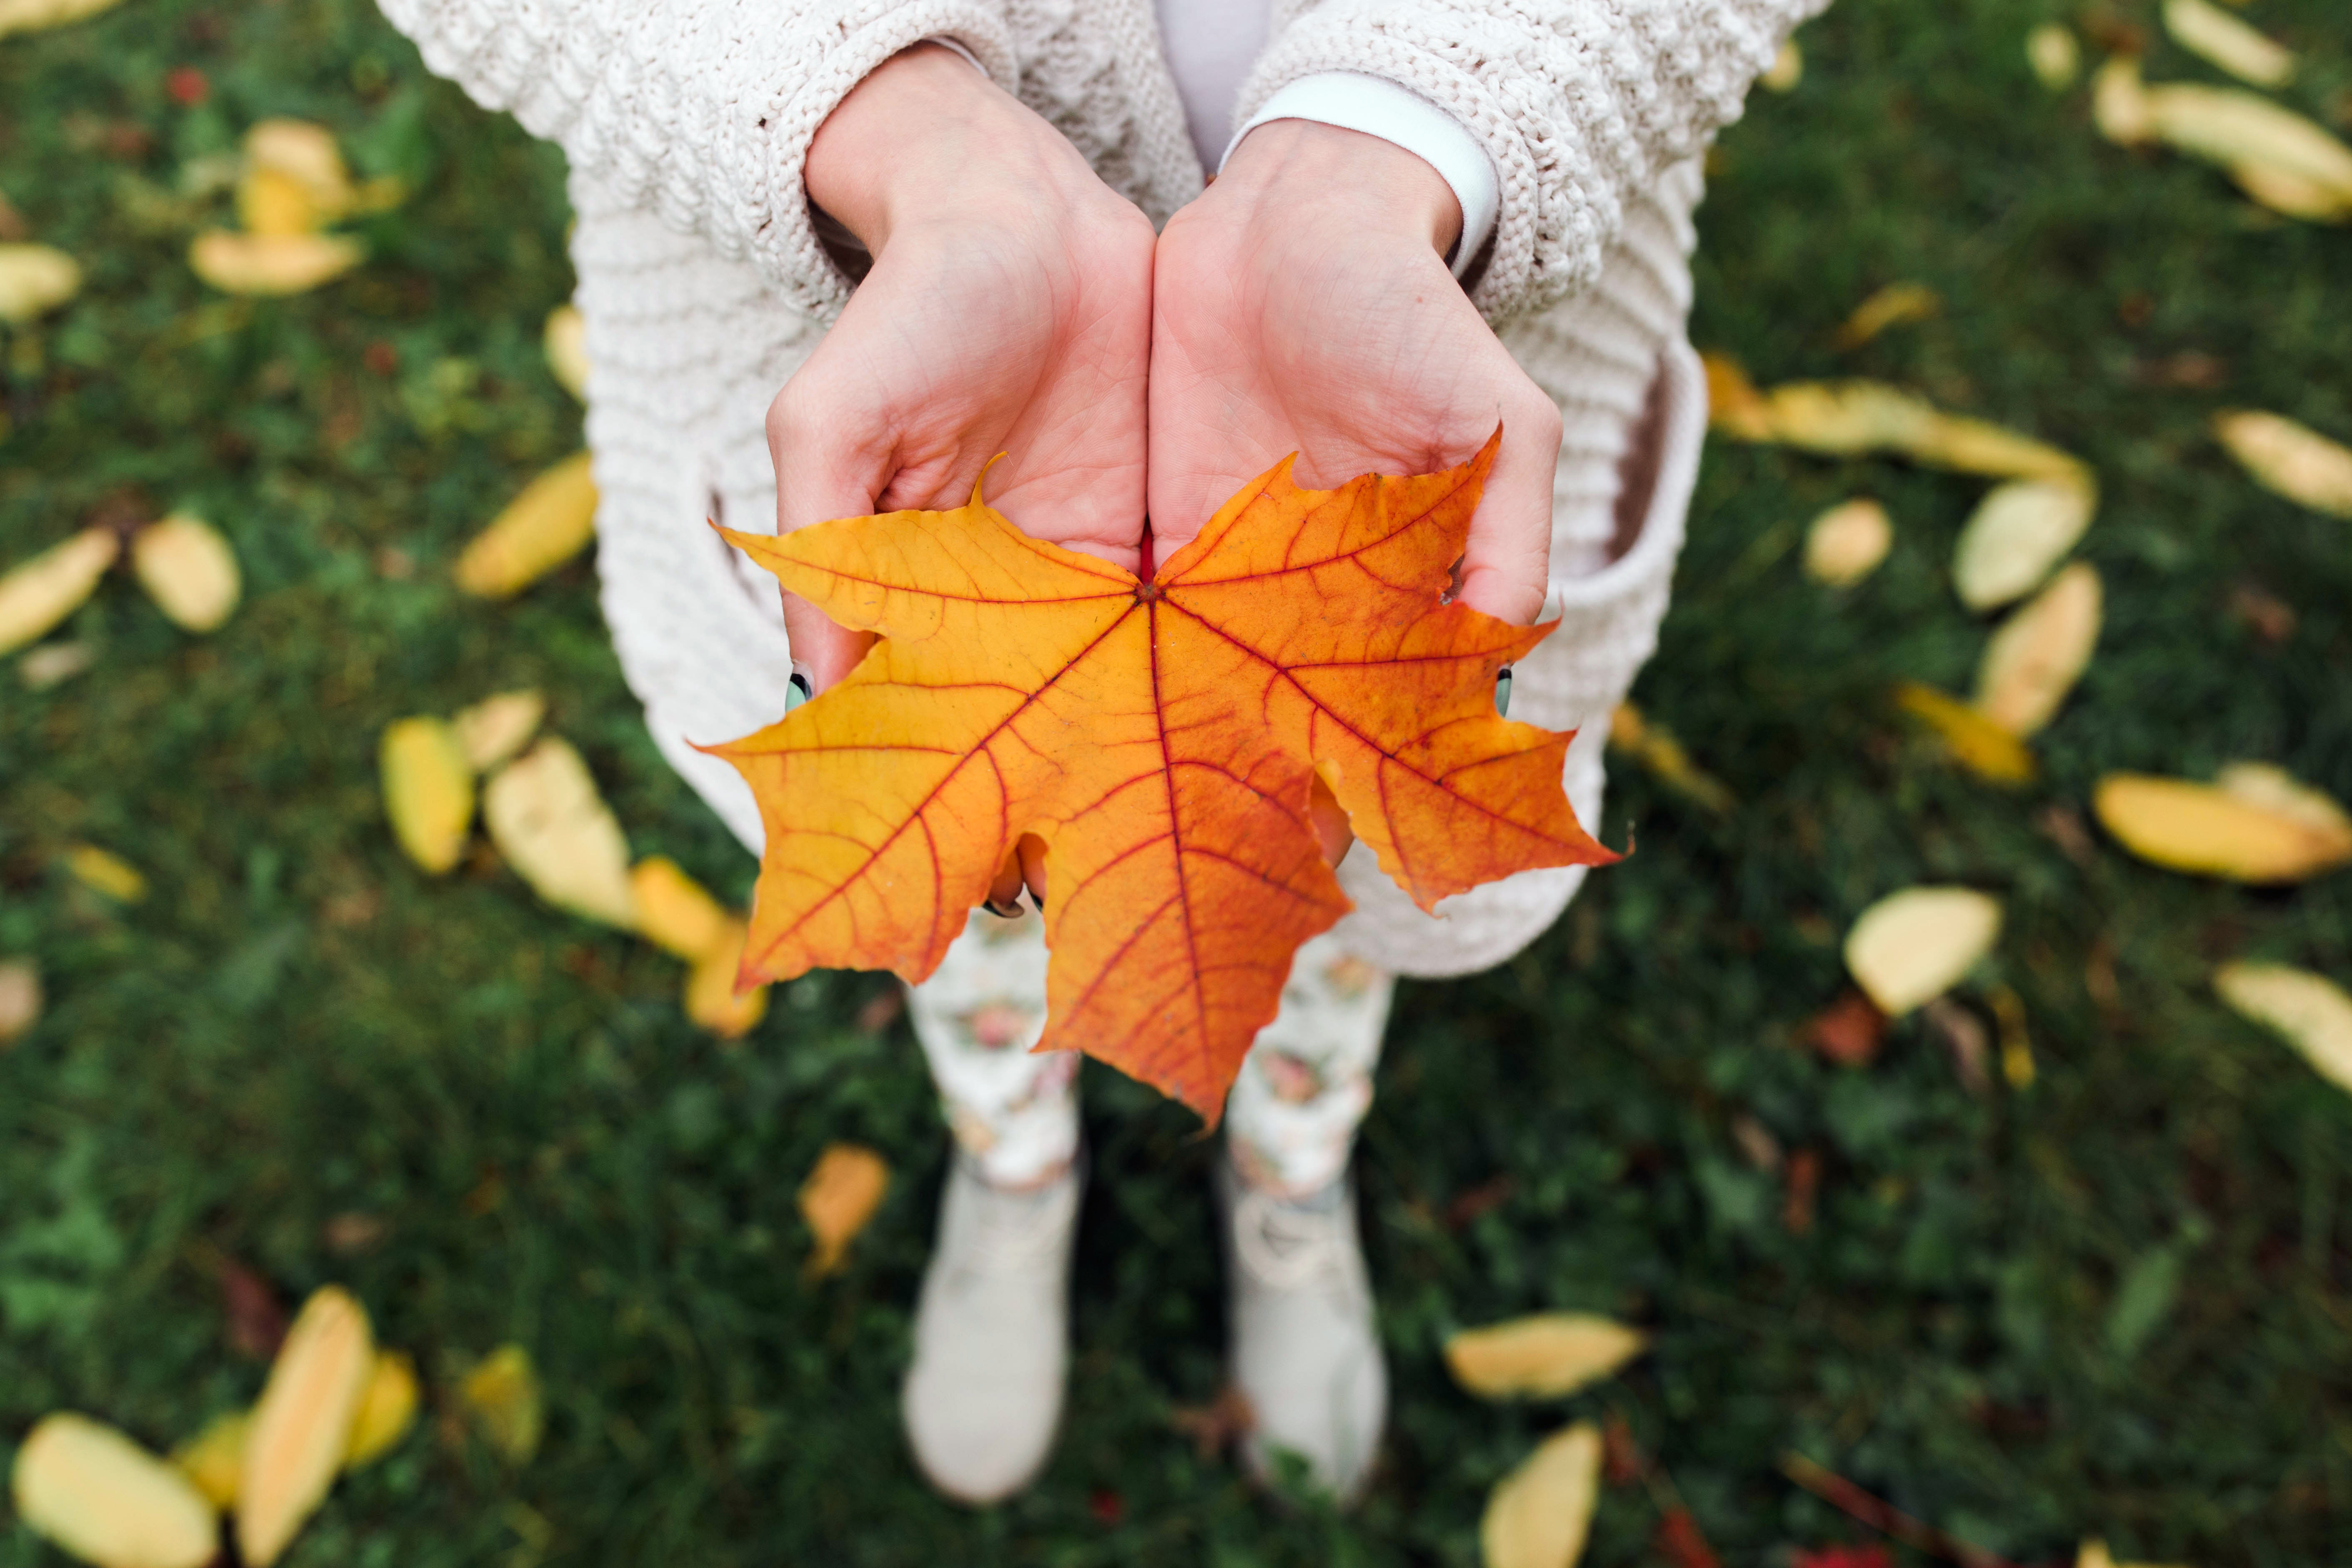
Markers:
(1378, 107)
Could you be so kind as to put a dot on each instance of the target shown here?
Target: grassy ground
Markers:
(2114, 1302)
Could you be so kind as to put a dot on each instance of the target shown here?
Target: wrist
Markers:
(926, 135)
(1374, 185)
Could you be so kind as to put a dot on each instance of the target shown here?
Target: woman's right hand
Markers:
(1008, 310)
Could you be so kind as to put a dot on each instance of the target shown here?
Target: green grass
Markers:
(2115, 1302)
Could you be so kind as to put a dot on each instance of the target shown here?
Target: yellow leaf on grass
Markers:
(1734, 405)
(387, 1410)
(302, 1423)
(2279, 157)
(502, 1394)
(712, 1001)
(2244, 833)
(1889, 307)
(2309, 1011)
(2291, 460)
(271, 202)
(555, 830)
(2119, 105)
(428, 791)
(35, 279)
(189, 570)
(20, 999)
(305, 153)
(1664, 758)
(495, 728)
(1787, 69)
(842, 1191)
(102, 1497)
(215, 1457)
(1849, 418)
(549, 523)
(2035, 659)
(1975, 741)
(105, 873)
(271, 263)
(2017, 534)
(42, 592)
(1912, 946)
(1544, 1356)
(567, 349)
(676, 913)
(1846, 542)
(2275, 790)
(2093, 1554)
(1540, 1514)
(2225, 41)
(2055, 56)
(33, 15)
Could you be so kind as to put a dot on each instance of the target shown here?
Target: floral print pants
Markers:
(1290, 1120)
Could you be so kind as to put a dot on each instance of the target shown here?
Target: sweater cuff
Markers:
(1377, 107)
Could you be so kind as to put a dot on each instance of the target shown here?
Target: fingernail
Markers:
(1041, 901)
(798, 693)
(1503, 691)
(1004, 910)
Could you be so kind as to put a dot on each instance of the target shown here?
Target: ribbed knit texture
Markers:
(703, 287)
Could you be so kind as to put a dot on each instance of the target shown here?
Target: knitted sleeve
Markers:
(1581, 103)
(701, 111)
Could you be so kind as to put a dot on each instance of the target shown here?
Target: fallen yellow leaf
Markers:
(272, 202)
(676, 913)
(105, 873)
(567, 349)
(1539, 1515)
(33, 15)
(1974, 742)
(38, 593)
(2291, 460)
(2216, 831)
(503, 1395)
(302, 1422)
(1733, 404)
(20, 999)
(1889, 307)
(711, 1001)
(215, 1457)
(35, 278)
(1847, 542)
(428, 791)
(387, 1410)
(1787, 69)
(1912, 946)
(2309, 1011)
(2275, 790)
(2055, 56)
(2035, 659)
(555, 830)
(1848, 418)
(188, 569)
(2225, 41)
(2277, 156)
(495, 728)
(2119, 105)
(1662, 755)
(2017, 534)
(306, 153)
(102, 1497)
(549, 523)
(2093, 1554)
(271, 263)
(1543, 1356)
(840, 1195)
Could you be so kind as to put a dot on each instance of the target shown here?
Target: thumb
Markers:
(1507, 563)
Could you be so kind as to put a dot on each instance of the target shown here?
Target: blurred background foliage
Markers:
(2112, 1303)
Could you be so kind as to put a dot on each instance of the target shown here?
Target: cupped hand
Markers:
(1008, 310)
(1303, 304)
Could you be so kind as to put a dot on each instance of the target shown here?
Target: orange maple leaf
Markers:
(1162, 739)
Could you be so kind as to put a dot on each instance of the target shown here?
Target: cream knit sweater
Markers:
(704, 287)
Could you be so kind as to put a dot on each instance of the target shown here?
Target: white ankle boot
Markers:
(992, 1336)
(1304, 1348)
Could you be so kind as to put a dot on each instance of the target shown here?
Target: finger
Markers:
(821, 650)
(1005, 891)
(1031, 851)
(1332, 829)
(1507, 563)
(824, 471)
